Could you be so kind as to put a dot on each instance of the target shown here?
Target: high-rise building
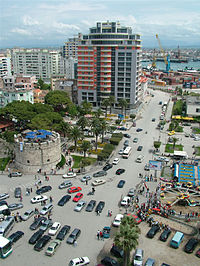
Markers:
(5, 65)
(71, 47)
(109, 63)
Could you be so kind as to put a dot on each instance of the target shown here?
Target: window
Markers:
(48, 160)
(28, 161)
(197, 110)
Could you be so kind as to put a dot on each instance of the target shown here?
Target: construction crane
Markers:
(154, 59)
(166, 58)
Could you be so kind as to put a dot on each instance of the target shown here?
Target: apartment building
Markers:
(109, 63)
(70, 49)
(5, 65)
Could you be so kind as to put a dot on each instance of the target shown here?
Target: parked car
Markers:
(100, 173)
(54, 229)
(125, 201)
(153, 119)
(116, 161)
(139, 129)
(79, 261)
(74, 189)
(138, 257)
(152, 232)
(135, 218)
(77, 197)
(3, 202)
(198, 253)
(146, 167)
(107, 261)
(120, 171)
(43, 189)
(15, 206)
(165, 234)
(86, 178)
(98, 182)
(69, 174)
(90, 206)
(65, 184)
(135, 140)
(107, 167)
(42, 242)
(191, 245)
(4, 196)
(127, 136)
(46, 224)
(52, 247)
(35, 237)
(18, 192)
(117, 220)
(47, 208)
(15, 236)
(131, 192)
(63, 231)
(139, 148)
(37, 223)
(117, 252)
(149, 262)
(100, 206)
(73, 236)
(120, 152)
(64, 200)
(126, 143)
(27, 214)
(15, 174)
(121, 183)
(80, 206)
(39, 198)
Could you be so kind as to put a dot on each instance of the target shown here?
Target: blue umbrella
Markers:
(41, 136)
(42, 131)
(30, 136)
(30, 133)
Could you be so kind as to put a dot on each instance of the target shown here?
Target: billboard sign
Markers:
(155, 165)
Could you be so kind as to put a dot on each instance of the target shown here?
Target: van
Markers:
(46, 209)
(140, 158)
(138, 257)
(176, 240)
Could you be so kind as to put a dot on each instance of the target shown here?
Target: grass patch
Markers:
(77, 160)
(196, 130)
(170, 148)
(197, 151)
(3, 163)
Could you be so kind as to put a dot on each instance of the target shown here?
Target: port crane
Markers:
(166, 58)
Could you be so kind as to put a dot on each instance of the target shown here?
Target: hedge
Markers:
(62, 162)
(105, 153)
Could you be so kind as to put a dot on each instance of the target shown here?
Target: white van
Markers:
(46, 209)
(140, 158)
(117, 220)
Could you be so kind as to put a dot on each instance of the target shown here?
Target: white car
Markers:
(126, 200)
(4, 196)
(80, 206)
(79, 261)
(39, 198)
(116, 161)
(27, 215)
(120, 152)
(86, 177)
(117, 220)
(54, 229)
(98, 182)
(69, 174)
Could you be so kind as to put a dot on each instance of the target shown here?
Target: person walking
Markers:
(98, 234)
(101, 235)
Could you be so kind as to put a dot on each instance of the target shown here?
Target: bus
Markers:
(7, 225)
(4, 211)
(5, 247)
(127, 152)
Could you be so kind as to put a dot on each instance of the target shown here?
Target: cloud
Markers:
(63, 28)
(21, 31)
(29, 21)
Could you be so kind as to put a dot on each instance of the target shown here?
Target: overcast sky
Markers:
(39, 23)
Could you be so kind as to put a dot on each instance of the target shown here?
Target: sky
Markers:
(49, 23)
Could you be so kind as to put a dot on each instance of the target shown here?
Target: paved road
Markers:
(89, 223)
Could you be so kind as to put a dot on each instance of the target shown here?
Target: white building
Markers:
(193, 106)
(5, 65)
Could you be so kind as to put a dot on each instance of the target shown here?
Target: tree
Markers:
(174, 142)
(86, 107)
(156, 144)
(103, 128)
(82, 122)
(85, 146)
(75, 135)
(45, 121)
(62, 128)
(57, 99)
(43, 86)
(112, 102)
(132, 116)
(98, 113)
(96, 128)
(106, 103)
(127, 237)
(123, 104)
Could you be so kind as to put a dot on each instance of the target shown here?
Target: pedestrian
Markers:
(50, 198)
(21, 198)
(86, 182)
(15, 217)
(101, 235)
(98, 213)
(31, 189)
(98, 234)
(20, 218)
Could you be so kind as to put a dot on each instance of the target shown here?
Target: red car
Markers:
(74, 189)
(135, 217)
(78, 197)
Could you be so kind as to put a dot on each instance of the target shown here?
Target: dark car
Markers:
(46, 224)
(107, 167)
(165, 234)
(117, 252)
(15, 206)
(18, 192)
(198, 253)
(109, 262)
(34, 238)
(15, 236)
(100, 206)
(139, 148)
(3, 202)
(139, 129)
(120, 171)
(73, 236)
(121, 183)
(90, 206)
(37, 223)
(42, 242)
(43, 189)
(126, 143)
(64, 200)
(100, 173)
(152, 232)
(127, 136)
(63, 231)
(153, 120)
(191, 245)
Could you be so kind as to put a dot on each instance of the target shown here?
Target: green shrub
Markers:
(62, 162)
(3, 163)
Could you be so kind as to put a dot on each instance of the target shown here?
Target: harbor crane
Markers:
(166, 58)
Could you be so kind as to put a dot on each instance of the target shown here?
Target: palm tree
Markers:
(98, 113)
(96, 128)
(127, 237)
(106, 103)
(75, 135)
(82, 122)
(85, 146)
(174, 142)
(62, 128)
(86, 107)
(123, 104)
(103, 127)
(112, 101)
